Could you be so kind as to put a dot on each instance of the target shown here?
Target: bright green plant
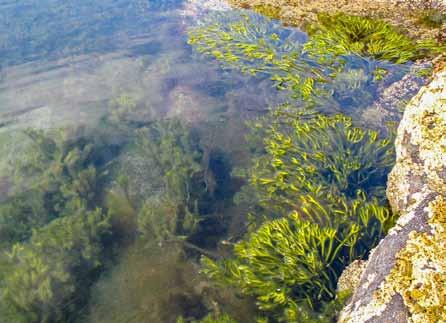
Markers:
(341, 34)
(327, 313)
(322, 181)
(296, 260)
(324, 156)
(252, 45)
(331, 69)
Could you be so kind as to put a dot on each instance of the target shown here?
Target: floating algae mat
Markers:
(154, 153)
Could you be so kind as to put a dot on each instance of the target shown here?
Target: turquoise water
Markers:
(107, 71)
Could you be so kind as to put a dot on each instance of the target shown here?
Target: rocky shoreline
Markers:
(402, 13)
(404, 279)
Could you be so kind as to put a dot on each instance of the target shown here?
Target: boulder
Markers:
(404, 279)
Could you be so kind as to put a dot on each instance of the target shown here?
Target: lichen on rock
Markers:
(351, 276)
(421, 148)
(405, 277)
(419, 275)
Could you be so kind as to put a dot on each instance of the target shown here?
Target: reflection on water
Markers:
(97, 52)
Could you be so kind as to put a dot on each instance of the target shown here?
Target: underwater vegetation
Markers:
(338, 67)
(163, 178)
(320, 185)
(58, 176)
(293, 263)
(309, 153)
(341, 34)
(46, 279)
(315, 189)
(80, 193)
(251, 44)
(173, 149)
(54, 225)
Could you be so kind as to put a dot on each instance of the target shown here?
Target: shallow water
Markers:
(62, 62)
(70, 63)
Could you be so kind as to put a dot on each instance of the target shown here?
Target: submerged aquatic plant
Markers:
(309, 153)
(166, 220)
(162, 179)
(294, 262)
(341, 34)
(63, 164)
(41, 280)
(165, 187)
(252, 44)
(57, 176)
(320, 183)
(327, 69)
(174, 151)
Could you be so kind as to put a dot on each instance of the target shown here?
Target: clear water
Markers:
(65, 63)
(62, 61)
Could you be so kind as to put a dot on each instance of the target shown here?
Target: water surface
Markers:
(70, 63)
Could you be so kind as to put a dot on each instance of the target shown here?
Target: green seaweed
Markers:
(175, 151)
(296, 260)
(341, 34)
(57, 176)
(338, 67)
(161, 180)
(308, 153)
(165, 220)
(250, 43)
(42, 280)
(318, 186)
(166, 188)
